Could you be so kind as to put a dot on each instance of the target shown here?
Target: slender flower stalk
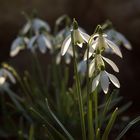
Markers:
(80, 100)
(89, 102)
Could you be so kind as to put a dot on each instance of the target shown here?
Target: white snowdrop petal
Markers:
(42, 43)
(112, 64)
(114, 80)
(84, 36)
(91, 67)
(91, 52)
(15, 51)
(16, 46)
(26, 27)
(95, 82)
(65, 45)
(80, 45)
(2, 80)
(114, 47)
(104, 82)
(125, 42)
(94, 45)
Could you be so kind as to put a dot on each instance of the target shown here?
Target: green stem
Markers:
(89, 103)
(78, 88)
(96, 109)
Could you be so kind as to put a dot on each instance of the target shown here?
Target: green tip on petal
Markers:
(75, 24)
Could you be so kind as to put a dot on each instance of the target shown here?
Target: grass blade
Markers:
(60, 124)
(110, 124)
(133, 122)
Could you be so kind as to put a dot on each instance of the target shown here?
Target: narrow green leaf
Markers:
(110, 124)
(48, 124)
(133, 122)
(60, 124)
(31, 132)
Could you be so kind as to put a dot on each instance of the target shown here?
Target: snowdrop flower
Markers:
(35, 24)
(78, 36)
(4, 74)
(18, 44)
(118, 38)
(100, 43)
(98, 63)
(103, 78)
(40, 41)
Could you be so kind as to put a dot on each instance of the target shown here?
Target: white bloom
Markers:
(79, 38)
(4, 74)
(98, 61)
(18, 44)
(103, 78)
(41, 41)
(118, 38)
(35, 24)
(100, 43)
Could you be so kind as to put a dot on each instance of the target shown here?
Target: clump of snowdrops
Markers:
(76, 98)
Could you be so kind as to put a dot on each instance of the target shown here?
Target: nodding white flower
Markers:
(58, 40)
(100, 43)
(98, 62)
(118, 38)
(36, 24)
(18, 44)
(40, 41)
(78, 36)
(103, 78)
(4, 74)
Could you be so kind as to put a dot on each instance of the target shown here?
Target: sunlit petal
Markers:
(114, 47)
(65, 45)
(112, 64)
(95, 82)
(114, 80)
(104, 82)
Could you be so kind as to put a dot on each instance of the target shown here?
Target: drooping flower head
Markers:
(97, 45)
(79, 38)
(35, 24)
(40, 41)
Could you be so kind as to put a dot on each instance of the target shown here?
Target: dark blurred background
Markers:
(124, 14)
